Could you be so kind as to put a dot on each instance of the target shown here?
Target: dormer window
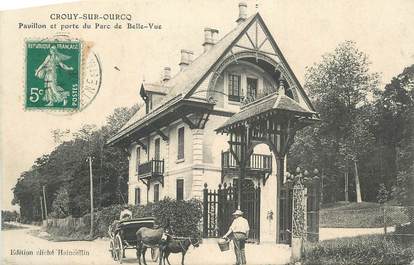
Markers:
(234, 87)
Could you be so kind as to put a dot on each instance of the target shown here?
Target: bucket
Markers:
(224, 245)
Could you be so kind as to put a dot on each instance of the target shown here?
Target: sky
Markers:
(304, 31)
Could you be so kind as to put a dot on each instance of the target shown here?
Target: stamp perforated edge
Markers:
(58, 37)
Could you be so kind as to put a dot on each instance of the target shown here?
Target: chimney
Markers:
(242, 12)
(186, 58)
(166, 75)
(210, 38)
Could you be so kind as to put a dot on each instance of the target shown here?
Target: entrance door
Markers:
(250, 205)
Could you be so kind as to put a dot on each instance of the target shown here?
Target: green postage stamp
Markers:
(53, 74)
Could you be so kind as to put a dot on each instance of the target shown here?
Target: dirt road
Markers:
(19, 247)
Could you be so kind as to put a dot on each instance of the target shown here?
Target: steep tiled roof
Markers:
(182, 83)
(271, 102)
(185, 80)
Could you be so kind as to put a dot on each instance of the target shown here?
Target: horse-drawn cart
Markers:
(123, 236)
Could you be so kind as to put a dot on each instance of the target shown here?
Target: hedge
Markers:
(371, 249)
(183, 217)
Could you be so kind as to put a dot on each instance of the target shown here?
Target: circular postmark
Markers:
(91, 78)
(63, 74)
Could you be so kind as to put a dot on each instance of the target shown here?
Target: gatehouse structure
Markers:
(219, 130)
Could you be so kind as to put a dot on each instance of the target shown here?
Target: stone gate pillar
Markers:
(298, 217)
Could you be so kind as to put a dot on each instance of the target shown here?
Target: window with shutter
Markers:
(251, 88)
(180, 189)
(137, 196)
(156, 192)
(157, 149)
(234, 87)
(180, 154)
(138, 154)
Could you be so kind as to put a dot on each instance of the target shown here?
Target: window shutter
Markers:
(157, 149)
(137, 196)
(156, 192)
(180, 154)
(138, 154)
(180, 189)
(234, 87)
(252, 88)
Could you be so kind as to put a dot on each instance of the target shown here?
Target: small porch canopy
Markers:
(272, 107)
(272, 120)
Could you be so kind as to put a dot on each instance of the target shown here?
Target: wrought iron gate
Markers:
(312, 188)
(285, 218)
(218, 206)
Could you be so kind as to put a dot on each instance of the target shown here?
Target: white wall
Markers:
(174, 168)
(268, 203)
(213, 145)
(202, 155)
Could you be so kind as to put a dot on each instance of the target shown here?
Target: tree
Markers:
(395, 114)
(27, 194)
(9, 216)
(382, 195)
(60, 206)
(66, 167)
(358, 142)
(340, 85)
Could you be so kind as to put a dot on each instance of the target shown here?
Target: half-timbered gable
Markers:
(180, 140)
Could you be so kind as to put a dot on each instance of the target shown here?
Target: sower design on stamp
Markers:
(53, 74)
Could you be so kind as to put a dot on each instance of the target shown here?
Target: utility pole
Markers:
(44, 200)
(41, 207)
(91, 192)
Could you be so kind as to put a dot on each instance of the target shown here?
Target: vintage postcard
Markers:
(207, 132)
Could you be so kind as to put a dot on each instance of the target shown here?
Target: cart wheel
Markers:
(119, 249)
(155, 252)
(112, 249)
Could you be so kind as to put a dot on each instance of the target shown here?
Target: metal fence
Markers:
(65, 223)
(218, 206)
(398, 221)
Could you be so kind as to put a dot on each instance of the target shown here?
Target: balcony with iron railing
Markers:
(154, 168)
(258, 165)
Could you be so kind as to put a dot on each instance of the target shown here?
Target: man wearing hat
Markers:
(240, 231)
(125, 214)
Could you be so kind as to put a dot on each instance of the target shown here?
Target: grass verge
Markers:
(359, 215)
(372, 249)
(62, 235)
